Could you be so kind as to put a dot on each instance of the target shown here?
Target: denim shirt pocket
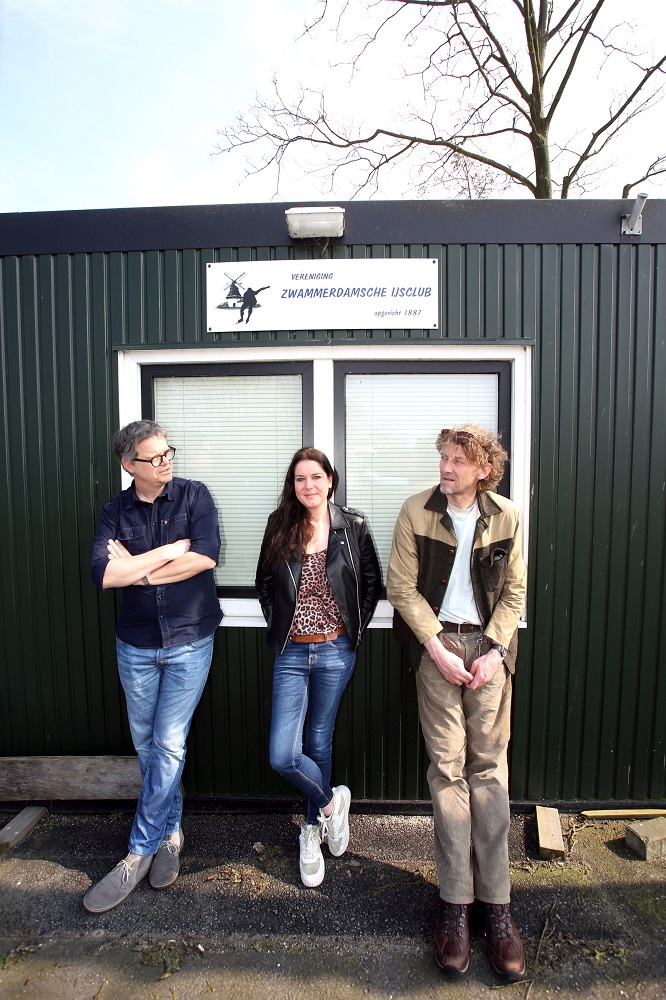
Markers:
(175, 528)
(133, 537)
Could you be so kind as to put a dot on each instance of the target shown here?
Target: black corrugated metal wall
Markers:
(591, 707)
(590, 699)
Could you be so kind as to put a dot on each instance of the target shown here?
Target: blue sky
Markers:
(115, 103)
(110, 103)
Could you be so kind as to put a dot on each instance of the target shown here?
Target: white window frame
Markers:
(246, 613)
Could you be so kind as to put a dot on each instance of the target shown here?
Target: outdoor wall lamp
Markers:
(632, 224)
(311, 223)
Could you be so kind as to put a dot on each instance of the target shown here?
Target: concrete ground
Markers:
(238, 922)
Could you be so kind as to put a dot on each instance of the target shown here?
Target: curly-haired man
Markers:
(456, 580)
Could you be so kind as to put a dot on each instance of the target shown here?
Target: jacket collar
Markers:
(337, 517)
(336, 536)
(438, 502)
(338, 522)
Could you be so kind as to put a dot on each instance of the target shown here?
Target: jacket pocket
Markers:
(493, 564)
(134, 539)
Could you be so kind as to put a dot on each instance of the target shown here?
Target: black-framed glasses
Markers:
(157, 460)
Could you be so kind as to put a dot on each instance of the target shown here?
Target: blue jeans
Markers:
(308, 678)
(162, 688)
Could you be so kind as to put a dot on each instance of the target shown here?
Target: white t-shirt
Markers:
(458, 604)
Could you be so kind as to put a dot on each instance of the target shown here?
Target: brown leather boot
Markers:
(452, 937)
(505, 949)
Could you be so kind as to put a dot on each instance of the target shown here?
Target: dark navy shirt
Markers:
(172, 613)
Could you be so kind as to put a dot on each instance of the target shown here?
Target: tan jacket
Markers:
(424, 547)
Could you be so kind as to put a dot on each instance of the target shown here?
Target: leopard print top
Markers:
(316, 610)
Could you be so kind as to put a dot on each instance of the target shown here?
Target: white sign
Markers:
(323, 295)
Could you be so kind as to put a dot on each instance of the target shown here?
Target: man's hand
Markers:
(483, 668)
(126, 570)
(449, 664)
(117, 550)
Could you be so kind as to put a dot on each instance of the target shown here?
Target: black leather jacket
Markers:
(352, 568)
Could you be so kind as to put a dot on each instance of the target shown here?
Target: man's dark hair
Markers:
(125, 440)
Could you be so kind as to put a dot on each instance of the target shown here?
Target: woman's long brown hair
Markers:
(291, 527)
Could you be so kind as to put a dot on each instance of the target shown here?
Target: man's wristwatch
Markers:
(502, 650)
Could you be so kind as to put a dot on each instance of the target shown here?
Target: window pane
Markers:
(392, 422)
(236, 434)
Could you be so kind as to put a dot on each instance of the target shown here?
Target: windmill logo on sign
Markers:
(234, 290)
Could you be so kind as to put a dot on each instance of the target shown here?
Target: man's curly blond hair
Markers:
(480, 447)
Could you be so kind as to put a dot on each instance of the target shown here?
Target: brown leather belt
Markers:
(462, 628)
(321, 637)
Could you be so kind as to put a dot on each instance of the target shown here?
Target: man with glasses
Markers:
(456, 580)
(158, 540)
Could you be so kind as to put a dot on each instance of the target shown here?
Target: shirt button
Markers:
(452, 552)
(435, 608)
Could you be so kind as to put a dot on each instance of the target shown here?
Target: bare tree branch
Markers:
(614, 123)
(657, 167)
(574, 59)
(492, 92)
(564, 20)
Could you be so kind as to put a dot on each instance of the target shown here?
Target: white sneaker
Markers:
(336, 826)
(311, 860)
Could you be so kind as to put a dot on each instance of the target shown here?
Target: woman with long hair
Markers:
(318, 580)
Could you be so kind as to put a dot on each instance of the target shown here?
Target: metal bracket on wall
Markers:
(632, 224)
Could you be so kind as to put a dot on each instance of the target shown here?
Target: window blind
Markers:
(237, 434)
(392, 421)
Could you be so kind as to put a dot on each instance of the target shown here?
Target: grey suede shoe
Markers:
(117, 885)
(166, 863)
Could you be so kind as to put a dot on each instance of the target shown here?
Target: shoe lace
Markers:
(453, 918)
(333, 826)
(323, 822)
(170, 846)
(126, 869)
(311, 841)
(330, 826)
(499, 916)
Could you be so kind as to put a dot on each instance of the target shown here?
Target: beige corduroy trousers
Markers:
(467, 735)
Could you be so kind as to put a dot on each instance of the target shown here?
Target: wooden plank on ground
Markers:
(63, 778)
(622, 813)
(18, 828)
(551, 845)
